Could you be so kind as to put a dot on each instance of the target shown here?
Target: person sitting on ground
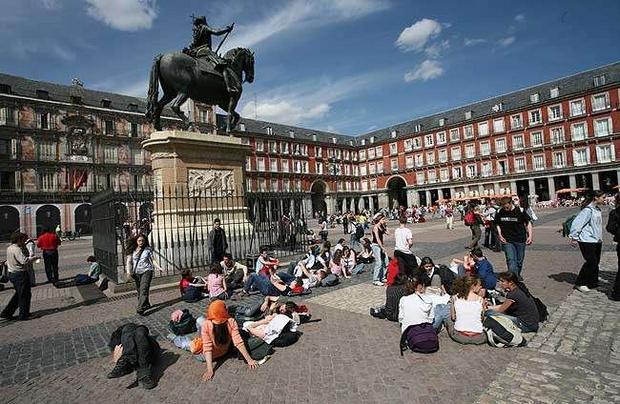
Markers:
(336, 265)
(484, 269)
(364, 258)
(393, 293)
(216, 283)
(340, 245)
(349, 263)
(217, 332)
(192, 288)
(413, 308)
(466, 266)
(311, 261)
(467, 308)
(427, 269)
(326, 255)
(93, 272)
(518, 306)
(235, 273)
(133, 348)
(262, 260)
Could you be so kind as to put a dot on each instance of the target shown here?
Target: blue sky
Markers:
(349, 66)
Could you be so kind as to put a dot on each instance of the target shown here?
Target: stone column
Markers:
(440, 193)
(531, 187)
(383, 200)
(551, 186)
(412, 197)
(307, 206)
(572, 181)
(371, 202)
(513, 187)
(496, 188)
(596, 185)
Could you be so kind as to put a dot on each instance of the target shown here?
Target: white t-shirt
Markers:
(414, 309)
(401, 235)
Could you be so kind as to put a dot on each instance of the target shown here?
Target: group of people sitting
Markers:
(459, 297)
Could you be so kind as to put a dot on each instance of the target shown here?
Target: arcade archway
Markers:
(9, 222)
(82, 217)
(47, 217)
(318, 191)
(397, 193)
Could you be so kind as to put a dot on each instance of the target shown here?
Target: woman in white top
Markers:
(415, 308)
(140, 265)
(466, 312)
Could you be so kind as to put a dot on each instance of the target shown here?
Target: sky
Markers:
(346, 66)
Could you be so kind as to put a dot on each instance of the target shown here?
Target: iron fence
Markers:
(177, 222)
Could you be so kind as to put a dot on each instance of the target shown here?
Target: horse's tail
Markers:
(153, 89)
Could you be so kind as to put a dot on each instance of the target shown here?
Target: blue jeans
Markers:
(358, 269)
(22, 296)
(286, 277)
(442, 312)
(380, 263)
(515, 253)
(261, 284)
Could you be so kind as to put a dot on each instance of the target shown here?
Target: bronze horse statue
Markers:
(182, 76)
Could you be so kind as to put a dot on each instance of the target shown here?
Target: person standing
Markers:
(345, 223)
(19, 263)
(48, 242)
(140, 267)
(587, 232)
(217, 243)
(613, 227)
(473, 219)
(379, 229)
(449, 215)
(514, 230)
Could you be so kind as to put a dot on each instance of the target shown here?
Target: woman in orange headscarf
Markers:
(217, 332)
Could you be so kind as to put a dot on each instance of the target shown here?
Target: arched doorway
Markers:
(9, 217)
(82, 217)
(48, 216)
(318, 190)
(397, 194)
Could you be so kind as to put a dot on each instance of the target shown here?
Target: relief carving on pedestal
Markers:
(211, 182)
(163, 155)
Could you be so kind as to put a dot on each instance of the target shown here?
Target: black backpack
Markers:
(612, 225)
(359, 232)
(185, 325)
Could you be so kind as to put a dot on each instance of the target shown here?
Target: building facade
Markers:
(61, 144)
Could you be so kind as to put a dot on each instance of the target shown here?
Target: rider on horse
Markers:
(200, 48)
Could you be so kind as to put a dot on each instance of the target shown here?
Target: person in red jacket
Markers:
(48, 242)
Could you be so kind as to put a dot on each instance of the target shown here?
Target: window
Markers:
(432, 176)
(8, 116)
(602, 127)
(318, 151)
(519, 164)
(203, 115)
(457, 172)
(409, 162)
(468, 114)
(371, 153)
(518, 142)
(260, 164)
(559, 160)
(557, 135)
(319, 168)
(554, 92)
(262, 185)
(498, 125)
(420, 178)
(363, 169)
(578, 131)
(581, 157)
(483, 128)
(417, 143)
(108, 127)
(485, 148)
(417, 128)
(137, 157)
(444, 175)
(286, 185)
(516, 122)
(260, 146)
(363, 142)
(468, 131)
(500, 145)
(419, 160)
(48, 181)
(577, 107)
(393, 148)
(428, 140)
(242, 127)
(471, 171)
(7, 181)
(273, 147)
(502, 167)
(284, 148)
(372, 168)
(430, 157)
(487, 169)
(535, 117)
(269, 130)
(555, 112)
(274, 186)
(454, 135)
(296, 149)
(379, 167)
(248, 164)
(362, 154)
(470, 150)
(46, 150)
(539, 162)
(536, 139)
(443, 155)
(534, 98)
(273, 165)
(442, 121)
(408, 145)
(600, 102)
(605, 153)
(599, 80)
(394, 164)
(372, 139)
(304, 168)
(110, 154)
(136, 129)
(441, 137)
(393, 134)
(456, 153)
(44, 120)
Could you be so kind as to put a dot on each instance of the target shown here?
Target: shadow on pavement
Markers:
(162, 305)
(165, 360)
(567, 277)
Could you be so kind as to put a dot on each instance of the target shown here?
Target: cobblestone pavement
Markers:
(347, 356)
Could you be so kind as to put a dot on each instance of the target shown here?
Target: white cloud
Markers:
(435, 50)
(474, 41)
(300, 15)
(124, 15)
(25, 48)
(416, 36)
(506, 41)
(285, 111)
(520, 18)
(51, 4)
(427, 70)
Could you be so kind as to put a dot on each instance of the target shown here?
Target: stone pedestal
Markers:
(196, 177)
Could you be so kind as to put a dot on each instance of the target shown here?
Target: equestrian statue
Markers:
(201, 74)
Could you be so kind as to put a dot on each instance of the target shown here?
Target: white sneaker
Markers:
(377, 283)
(583, 288)
(265, 359)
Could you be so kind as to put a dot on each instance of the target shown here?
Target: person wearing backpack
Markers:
(519, 306)
(613, 227)
(514, 229)
(415, 315)
(473, 219)
(586, 231)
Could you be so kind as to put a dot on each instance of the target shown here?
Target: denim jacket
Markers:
(587, 227)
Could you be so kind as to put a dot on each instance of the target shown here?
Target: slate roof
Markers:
(513, 101)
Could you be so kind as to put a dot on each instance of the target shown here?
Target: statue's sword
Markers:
(224, 39)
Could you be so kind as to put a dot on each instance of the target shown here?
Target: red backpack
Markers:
(470, 218)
